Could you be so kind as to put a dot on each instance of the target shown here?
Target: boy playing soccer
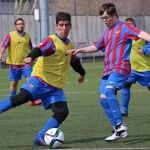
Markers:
(50, 72)
(116, 44)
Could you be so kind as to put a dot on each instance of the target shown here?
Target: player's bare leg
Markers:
(13, 87)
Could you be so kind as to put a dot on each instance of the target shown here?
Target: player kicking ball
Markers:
(49, 75)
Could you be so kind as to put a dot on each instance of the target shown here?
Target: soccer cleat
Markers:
(39, 141)
(120, 133)
(124, 114)
(35, 103)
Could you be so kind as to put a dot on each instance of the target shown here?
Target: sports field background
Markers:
(86, 125)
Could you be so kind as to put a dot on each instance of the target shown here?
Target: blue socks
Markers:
(12, 93)
(51, 123)
(5, 105)
(114, 105)
(125, 98)
(104, 103)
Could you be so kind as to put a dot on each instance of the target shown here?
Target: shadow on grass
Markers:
(19, 147)
(86, 140)
(137, 139)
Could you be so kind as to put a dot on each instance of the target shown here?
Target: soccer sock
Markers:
(51, 123)
(125, 98)
(12, 93)
(114, 105)
(104, 103)
(5, 105)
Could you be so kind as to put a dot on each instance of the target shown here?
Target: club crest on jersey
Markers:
(31, 85)
(117, 31)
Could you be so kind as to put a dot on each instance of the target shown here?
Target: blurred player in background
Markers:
(116, 43)
(140, 65)
(19, 46)
(50, 72)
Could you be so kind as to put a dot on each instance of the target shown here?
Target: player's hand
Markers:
(81, 79)
(1, 57)
(140, 51)
(73, 52)
(28, 60)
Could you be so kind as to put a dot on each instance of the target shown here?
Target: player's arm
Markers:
(35, 53)
(5, 44)
(46, 48)
(88, 49)
(2, 50)
(77, 67)
(144, 35)
(99, 45)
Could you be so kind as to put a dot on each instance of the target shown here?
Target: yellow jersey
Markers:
(19, 48)
(139, 62)
(54, 69)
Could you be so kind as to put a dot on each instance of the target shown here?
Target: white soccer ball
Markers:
(54, 138)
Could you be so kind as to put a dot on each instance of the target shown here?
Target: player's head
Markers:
(108, 13)
(19, 24)
(63, 24)
(130, 20)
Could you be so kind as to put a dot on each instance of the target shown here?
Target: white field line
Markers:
(76, 92)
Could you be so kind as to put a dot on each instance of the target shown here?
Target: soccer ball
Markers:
(54, 138)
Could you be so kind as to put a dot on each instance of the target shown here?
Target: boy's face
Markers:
(63, 28)
(20, 26)
(130, 21)
(108, 19)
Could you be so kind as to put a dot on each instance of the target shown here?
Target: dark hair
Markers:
(21, 19)
(60, 16)
(130, 20)
(109, 8)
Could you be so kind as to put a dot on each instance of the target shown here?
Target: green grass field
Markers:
(86, 126)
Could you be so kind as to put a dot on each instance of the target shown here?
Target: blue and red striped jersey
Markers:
(116, 44)
(48, 47)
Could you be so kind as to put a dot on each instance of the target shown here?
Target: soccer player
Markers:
(140, 65)
(49, 74)
(19, 46)
(116, 44)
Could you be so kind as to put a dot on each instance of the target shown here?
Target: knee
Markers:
(103, 102)
(110, 91)
(21, 98)
(125, 91)
(60, 113)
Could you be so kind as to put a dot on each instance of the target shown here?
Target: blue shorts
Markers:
(16, 72)
(115, 80)
(143, 80)
(41, 90)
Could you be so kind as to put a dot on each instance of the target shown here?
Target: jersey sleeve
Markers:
(132, 32)
(47, 47)
(74, 58)
(100, 43)
(6, 43)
